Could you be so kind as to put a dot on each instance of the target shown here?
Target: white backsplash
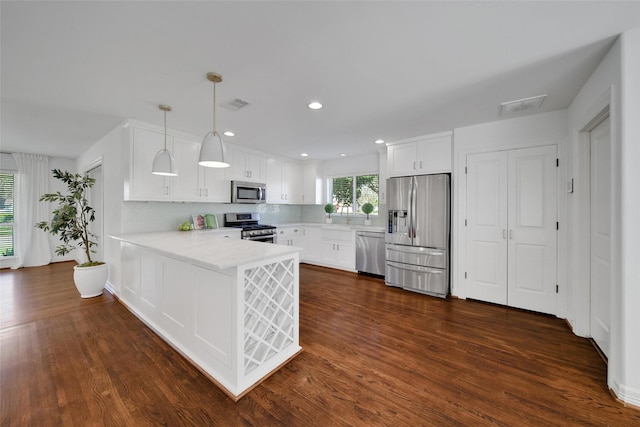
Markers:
(144, 217)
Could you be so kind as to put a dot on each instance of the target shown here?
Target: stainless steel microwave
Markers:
(248, 192)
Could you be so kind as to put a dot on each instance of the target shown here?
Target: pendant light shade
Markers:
(163, 163)
(212, 151)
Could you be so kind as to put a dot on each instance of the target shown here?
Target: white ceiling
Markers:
(72, 71)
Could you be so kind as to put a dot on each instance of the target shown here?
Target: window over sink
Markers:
(349, 193)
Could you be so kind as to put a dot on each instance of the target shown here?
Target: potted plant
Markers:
(367, 208)
(329, 209)
(70, 222)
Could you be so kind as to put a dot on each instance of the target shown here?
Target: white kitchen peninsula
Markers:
(230, 306)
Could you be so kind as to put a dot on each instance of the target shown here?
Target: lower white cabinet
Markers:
(328, 246)
(336, 248)
(291, 236)
(338, 254)
(238, 324)
(312, 238)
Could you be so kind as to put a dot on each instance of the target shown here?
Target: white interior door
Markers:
(487, 175)
(600, 146)
(532, 231)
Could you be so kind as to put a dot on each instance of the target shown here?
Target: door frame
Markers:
(580, 245)
(581, 272)
(91, 166)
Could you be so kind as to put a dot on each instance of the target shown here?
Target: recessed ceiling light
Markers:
(229, 133)
(304, 155)
(379, 141)
(343, 155)
(315, 105)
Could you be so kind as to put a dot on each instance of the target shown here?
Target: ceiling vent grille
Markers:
(236, 104)
(521, 105)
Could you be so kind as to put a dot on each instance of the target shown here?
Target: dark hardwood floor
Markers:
(373, 356)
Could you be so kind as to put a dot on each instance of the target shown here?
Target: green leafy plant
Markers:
(329, 208)
(73, 215)
(367, 208)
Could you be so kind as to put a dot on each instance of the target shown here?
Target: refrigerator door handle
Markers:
(414, 202)
(410, 211)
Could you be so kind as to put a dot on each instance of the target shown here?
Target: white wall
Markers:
(616, 84)
(109, 152)
(628, 376)
(351, 165)
(521, 132)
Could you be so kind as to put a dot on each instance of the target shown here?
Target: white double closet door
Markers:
(511, 241)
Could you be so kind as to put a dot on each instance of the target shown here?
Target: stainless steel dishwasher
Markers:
(370, 256)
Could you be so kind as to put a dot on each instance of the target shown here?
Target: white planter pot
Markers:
(367, 222)
(329, 220)
(90, 280)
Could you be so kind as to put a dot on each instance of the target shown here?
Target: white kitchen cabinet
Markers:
(185, 186)
(215, 309)
(291, 236)
(213, 185)
(247, 165)
(311, 244)
(311, 184)
(511, 228)
(382, 178)
(284, 182)
(141, 183)
(420, 156)
(337, 248)
(194, 183)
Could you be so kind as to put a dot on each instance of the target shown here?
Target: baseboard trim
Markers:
(629, 397)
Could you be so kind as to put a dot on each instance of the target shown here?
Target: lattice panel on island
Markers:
(268, 311)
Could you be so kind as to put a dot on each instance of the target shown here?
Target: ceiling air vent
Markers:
(236, 104)
(521, 105)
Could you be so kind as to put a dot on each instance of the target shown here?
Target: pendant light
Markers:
(212, 150)
(163, 163)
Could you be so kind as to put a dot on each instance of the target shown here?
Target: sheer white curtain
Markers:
(32, 246)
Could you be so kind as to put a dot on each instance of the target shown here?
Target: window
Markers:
(6, 215)
(349, 193)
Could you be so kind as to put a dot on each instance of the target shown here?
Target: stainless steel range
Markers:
(251, 229)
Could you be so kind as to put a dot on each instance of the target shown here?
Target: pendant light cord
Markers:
(165, 130)
(214, 107)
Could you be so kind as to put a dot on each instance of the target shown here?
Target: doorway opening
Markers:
(96, 201)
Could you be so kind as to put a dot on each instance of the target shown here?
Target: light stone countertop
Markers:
(339, 226)
(208, 248)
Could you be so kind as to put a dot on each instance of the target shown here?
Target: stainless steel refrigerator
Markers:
(417, 237)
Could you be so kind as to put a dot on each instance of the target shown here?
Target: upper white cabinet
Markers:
(247, 165)
(213, 185)
(194, 183)
(284, 183)
(186, 153)
(420, 156)
(382, 178)
(142, 184)
(311, 184)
